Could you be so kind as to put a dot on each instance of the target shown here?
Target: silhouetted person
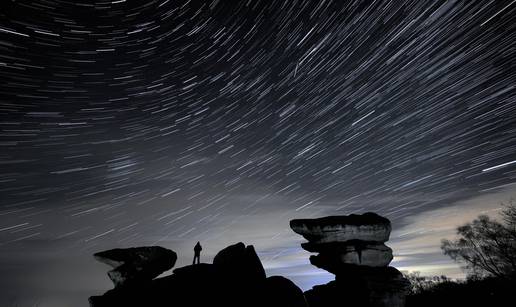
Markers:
(197, 253)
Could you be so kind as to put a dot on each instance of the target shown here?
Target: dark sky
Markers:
(131, 123)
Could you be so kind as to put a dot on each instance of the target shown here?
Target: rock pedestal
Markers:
(333, 255)
(352, 247)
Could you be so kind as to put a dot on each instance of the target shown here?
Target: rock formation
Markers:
(365, 227)
(137, 264)
(240, 260)
(280, 291)
(352, 247)
(236, 278)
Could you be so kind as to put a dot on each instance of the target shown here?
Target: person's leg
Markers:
(194, 259)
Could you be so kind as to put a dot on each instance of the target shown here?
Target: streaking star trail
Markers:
(130, 123)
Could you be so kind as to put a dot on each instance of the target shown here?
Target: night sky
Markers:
(131, 123)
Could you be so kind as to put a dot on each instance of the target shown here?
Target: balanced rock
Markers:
(366, 227)
(352, 247)
(349, 239)
(333, 255)
(136, 264)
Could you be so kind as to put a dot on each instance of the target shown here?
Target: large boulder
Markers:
(280, 291)
(240, 260)
(365, 227)
(136, 264)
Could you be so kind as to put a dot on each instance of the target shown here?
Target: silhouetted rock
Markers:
(137, 264)
(366, 227)
(329, 295)
(240, 260)
(236, 278)
(361, 286)
(280, 291)
(384, 287)
(351, 247)
(195, 270)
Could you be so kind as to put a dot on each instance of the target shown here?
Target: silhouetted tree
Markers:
(487, 247)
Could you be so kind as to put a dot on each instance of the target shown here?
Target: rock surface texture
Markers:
(352, 247)
(365, 227)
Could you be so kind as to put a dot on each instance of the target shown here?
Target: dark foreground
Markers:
(237, 278)
(350, 247)
(487, 292)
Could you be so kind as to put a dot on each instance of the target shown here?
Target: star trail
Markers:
(127, 123)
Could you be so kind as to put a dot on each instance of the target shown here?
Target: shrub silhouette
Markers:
(485, 246)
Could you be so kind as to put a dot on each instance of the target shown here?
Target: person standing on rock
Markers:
(197, 253)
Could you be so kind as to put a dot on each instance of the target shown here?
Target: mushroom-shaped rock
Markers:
(136, 264)
(352, 247)
(365, 227)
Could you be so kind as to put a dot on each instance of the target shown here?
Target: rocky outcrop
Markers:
(280, 291)
(352, 247)
(240, 260)
(235, 278)
(138, 264)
